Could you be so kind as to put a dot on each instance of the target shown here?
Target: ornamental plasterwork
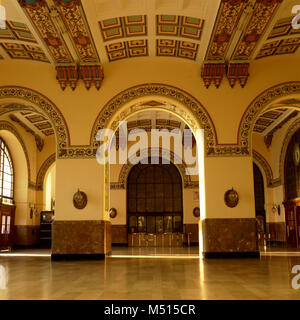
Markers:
(47, 107)
(198, 112)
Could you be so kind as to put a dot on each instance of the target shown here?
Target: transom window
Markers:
(6, 175)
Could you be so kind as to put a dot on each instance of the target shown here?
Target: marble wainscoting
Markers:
(119, 234)
(26, 235)
(81, 240)
(229, 238)
(277, 231)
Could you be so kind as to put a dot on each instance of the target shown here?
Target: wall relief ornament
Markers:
(80, 200)
(231, 198)
(113, 213)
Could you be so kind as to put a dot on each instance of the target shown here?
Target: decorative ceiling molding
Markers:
(214, 67)
(278, 47)
(24, 51)
(45, 106)
(67, 19)
(232, 14)
(127, 49)
(123, 27)
(43, 170)
(179, 26)
(262, 15)
(176, 48)
(16, 31)
(283, 27)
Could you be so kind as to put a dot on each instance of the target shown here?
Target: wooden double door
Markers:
(7, 220)
(292, 218)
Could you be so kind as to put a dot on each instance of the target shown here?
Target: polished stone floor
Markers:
(148, 273)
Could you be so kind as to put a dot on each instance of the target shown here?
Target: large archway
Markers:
(157, 97)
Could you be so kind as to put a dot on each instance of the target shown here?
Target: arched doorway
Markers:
(292, 191)
(259, 192)
(154, 199)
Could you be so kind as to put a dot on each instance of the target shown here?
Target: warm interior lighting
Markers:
(155, 256)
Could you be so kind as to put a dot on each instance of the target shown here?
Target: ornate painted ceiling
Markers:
(79, 37)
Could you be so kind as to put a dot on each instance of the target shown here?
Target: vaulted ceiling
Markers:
(79, 37)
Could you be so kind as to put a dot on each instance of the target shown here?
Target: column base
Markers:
(227, 238)
(81, 240)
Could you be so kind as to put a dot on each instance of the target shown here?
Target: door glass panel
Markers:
(151, 224)
(177, 224)
(142, 224)
(132, 224)
(159, 224)
(168, 223)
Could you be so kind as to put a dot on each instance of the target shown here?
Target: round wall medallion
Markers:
(80, 200)
(296, 154)
(113, 212)
(196, 212)
(231, 198)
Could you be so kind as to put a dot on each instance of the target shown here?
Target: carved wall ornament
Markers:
(42, 171)
(196, 212)
(113, 213)
(80, 200)
(231, 198)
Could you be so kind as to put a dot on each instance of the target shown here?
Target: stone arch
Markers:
(5, 125)
(186, 179)
(257, 157)
(48, 108)
(162, 91)
(43, 169)
(257, 106)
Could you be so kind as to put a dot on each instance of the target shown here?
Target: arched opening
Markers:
(7, 207)
(292, 191)
(259, 193)
(154, 200)
(49, 188)
(169, 214)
